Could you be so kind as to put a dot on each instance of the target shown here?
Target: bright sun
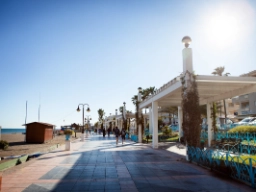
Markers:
(228, 23)
(222, 29)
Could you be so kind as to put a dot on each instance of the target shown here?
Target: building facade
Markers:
(247, 103)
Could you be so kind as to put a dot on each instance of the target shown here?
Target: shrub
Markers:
(68, 132)
(243, 129)
(167, 131)
(4, 144)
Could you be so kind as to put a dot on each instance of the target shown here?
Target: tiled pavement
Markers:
(97, 164)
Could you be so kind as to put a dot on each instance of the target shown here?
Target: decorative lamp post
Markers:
(187, 68)
(78, 110)
(124, 115)
(116, 118)
(187, 55)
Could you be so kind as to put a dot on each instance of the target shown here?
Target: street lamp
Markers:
(139, 117)
(186, 41)
(124, 116)
(116, 119)
(78, 110)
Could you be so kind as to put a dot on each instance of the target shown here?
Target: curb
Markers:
(18, 159)
(13, 162)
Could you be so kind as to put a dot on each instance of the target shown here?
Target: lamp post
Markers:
(139, 117)
(78, 110)
(124, 116)
(116, 119)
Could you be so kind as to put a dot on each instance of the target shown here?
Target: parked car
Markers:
(245, 121)
(252, 122)
(219, 123)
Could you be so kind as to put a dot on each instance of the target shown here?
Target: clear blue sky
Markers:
(59, 53)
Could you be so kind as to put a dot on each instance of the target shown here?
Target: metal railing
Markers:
(243, 169)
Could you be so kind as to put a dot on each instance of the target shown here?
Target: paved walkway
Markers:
(97, 164)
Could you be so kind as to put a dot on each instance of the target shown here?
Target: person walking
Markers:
(123, 133)
(117, 133)
(109, 129)
(104, 132)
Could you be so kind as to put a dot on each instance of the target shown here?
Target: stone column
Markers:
(150, 121)
(180, 120)
(155, 124)
(209, 122)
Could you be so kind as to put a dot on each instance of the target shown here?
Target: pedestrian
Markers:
(104, 132)
(123, 133)
(117, 133)
(109, 129)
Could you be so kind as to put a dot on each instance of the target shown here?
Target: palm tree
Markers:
(152, 90)
(101, 114)
(135, 99)
(146, 92)
(219, 71)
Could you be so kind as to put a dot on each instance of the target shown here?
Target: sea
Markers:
(12, 130)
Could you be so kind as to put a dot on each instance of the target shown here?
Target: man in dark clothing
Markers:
(104, 132)
(123, 133)
(117, 133)
(109, 129)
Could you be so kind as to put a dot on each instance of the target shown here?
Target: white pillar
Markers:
(209, 122)
(67, 145)
(155, 124)
(187, 59)
(145, 121)
(180, 120)
(150, 121)
(139, 134)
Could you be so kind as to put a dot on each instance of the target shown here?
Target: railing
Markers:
(175, 127)
(243, 169)
(165, 86)
(134, 138)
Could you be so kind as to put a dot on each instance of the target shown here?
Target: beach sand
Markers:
(17, 146)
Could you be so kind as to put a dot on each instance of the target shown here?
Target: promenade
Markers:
(97, 164)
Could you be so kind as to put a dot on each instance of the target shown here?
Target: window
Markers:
(231, 105)
(245, 105)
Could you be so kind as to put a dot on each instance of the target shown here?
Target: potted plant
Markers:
(68, 132)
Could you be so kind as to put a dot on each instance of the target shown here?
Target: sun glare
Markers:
(228, 24)
(222, 29)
